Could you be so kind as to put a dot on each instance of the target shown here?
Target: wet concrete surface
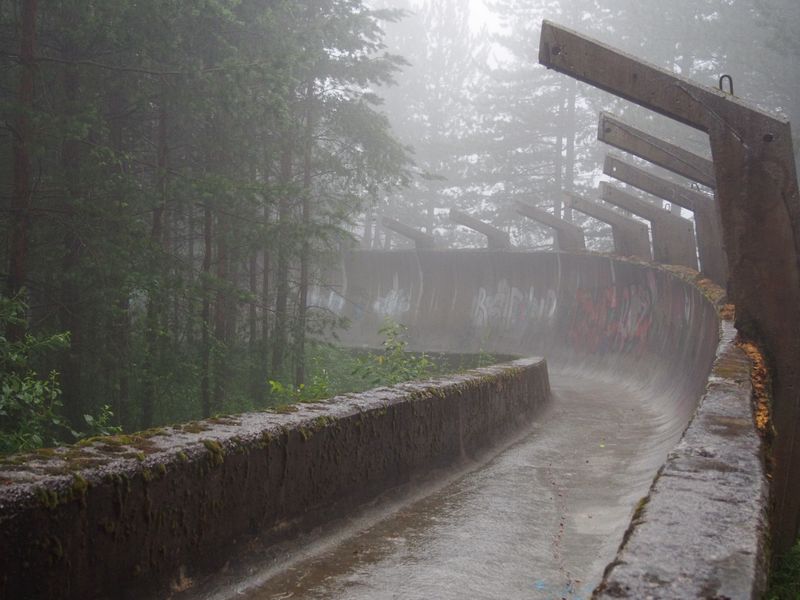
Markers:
(540, 520)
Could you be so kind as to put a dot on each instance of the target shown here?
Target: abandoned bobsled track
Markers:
(625, 462)
(630, 347)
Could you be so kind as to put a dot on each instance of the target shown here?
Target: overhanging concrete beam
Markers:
(569, 237)
(631, 237)
(496, 238)
(673, 236)
(706, 217)
(421, 240)
(628, 138)
(759, 207)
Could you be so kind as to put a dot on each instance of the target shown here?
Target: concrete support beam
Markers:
(422, 241)
(673, 236)
(759, 207)
(628, 138)
(496, 238)
(631, 237)
(569, 237)
(713, 261)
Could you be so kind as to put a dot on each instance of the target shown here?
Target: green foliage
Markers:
(100, 424)
(394, 364)
(334, 370)
(785, 580)
(29, 403)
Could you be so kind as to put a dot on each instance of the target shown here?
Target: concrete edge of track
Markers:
(703, 530)
(136, 515)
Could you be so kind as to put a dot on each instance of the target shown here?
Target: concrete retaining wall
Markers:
(167, 499)
(703, 531)
(125, 516)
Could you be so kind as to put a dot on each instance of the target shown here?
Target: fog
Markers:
(196, 197)
(492, 125)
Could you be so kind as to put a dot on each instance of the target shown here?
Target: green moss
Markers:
(322, 422)
(194, 427)
(47, 497)
(285, 409)
(182, 456)
(640, 506)
(216, 453)
(79, 485)
(223, 420)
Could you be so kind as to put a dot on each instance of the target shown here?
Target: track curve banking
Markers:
(629, 349)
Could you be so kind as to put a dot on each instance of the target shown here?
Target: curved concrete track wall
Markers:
(629, 349)
(584, 313)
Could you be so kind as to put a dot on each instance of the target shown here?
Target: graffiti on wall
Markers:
(395, 303)
(626, 318)
(509, 307)
(326, 299)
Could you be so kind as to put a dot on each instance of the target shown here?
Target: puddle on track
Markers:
(540, 520)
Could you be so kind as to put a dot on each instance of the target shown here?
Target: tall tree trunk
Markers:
(220, 316)
(120, 325)
(263, 366)
(190, 258)
(571, 131)
(253, 341)
(280, 335)
(205, 315)
(21, 195)
(305, 252)
(558, 163)
(366, 241)
(155, 299)
(70, 309)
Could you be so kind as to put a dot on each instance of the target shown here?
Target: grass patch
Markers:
(784, 584)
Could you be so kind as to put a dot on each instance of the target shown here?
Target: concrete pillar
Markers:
(422, 241)
(569, 237)
(759, 206)
(496, 238)
(631, 237)
(619, 134)
(673, 236)
(708, 228)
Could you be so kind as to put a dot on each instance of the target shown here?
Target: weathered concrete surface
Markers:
(124, 518)
(759, 204)
(569, 237)
(631, 237)
(713, 261)
(631, 346)
(673, 236)
(420, 239)
(539, 521)
(497, 239)
(585, 313)
(628, 138)
(703, 531)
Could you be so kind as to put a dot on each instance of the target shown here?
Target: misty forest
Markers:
(176, 175)
(181, 179)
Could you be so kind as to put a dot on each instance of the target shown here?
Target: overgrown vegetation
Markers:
(175, 178)
(785, 580)
(32, 415)
(31, 411)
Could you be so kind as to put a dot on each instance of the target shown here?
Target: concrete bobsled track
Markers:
(565, 502)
